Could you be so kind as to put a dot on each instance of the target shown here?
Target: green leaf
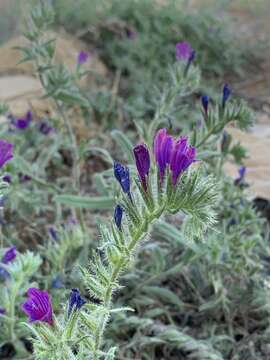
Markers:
(98, 202)
(125, 144)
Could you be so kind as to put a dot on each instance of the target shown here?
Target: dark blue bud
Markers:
(53, 232)
(118, 213)
(7, 178)
(226, 94)
(121, 174)
(205, 103)
(191, 57)
(75, 301)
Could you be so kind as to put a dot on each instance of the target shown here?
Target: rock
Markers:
(257, 163)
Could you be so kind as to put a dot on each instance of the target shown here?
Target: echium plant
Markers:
(58, 82)
(167, 183)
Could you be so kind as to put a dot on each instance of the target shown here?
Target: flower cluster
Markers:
(176, 154)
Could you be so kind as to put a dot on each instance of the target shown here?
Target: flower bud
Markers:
(118, 214)
(142, 158)
(226, 94)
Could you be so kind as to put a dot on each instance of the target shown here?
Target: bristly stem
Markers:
(122, 263)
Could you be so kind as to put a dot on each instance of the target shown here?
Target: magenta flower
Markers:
(38, 306)
(177, 154)
(183, 51)
(142, 158)
(163, 145)
(9, 255)
(183, 156)
(82, 57)
(6, 152)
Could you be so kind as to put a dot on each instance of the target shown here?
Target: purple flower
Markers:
(45, 127)
(118, 214)
(121, 174)
(23, 123)
(7, 178)
(9, 255)
(205, 103)
(75, 301)
(38, 306)
(226, 94)
(176, 153)
(184, 51)
(2, 311)
(183, 156)
(163, 145)
(6, 152)
(142, 158)
(82, 57)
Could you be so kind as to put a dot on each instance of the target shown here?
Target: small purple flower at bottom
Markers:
(183, 50)
(82, 57)
(9, 255)
(6, 152)
(75, 301)
(38, 306)
(142, 158)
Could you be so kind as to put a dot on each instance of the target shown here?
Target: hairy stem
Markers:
(138, 235)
